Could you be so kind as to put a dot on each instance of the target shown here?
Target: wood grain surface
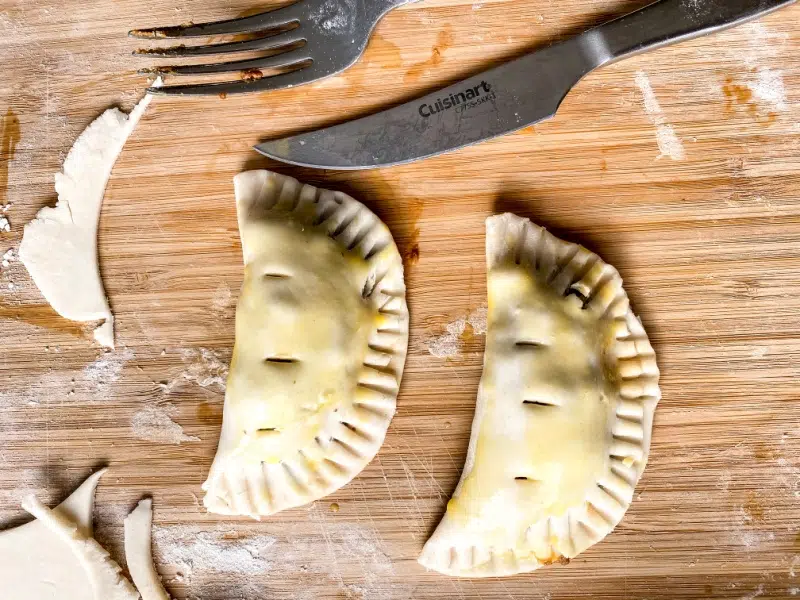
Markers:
(680, 167)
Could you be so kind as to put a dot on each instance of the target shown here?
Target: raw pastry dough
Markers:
(59, 247)
(565, 407)
(321, 340)
(56, 556)
(138, 552)
(104, 574)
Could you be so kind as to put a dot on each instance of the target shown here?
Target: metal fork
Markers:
(315, 39)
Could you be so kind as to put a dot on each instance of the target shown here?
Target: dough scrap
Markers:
(564, 414)
(321, 341)
(59, 246)
(104, 575)
(56, 556)
(138, 552)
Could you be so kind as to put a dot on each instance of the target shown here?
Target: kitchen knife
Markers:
(509, 97)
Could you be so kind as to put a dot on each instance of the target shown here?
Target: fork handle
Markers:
(670, 21)
(378, 8)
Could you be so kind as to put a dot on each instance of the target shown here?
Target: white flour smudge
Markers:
(477, 320)
(361, 546)
(195, 551)
(668, 142)
(724, 481)
(58, 384)
(335, 15)
(759, 591)
(28, 481)
(756, 48)
(203, 366)
(768, 88)
(53, 385)
(155, 424)
(789, 477)
(7, 259)
(743, 534)
(762, 44)
(448, 344)
(222, 299)
(107, 368)
(342, 554)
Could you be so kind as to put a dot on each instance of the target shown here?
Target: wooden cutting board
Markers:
(680, 167)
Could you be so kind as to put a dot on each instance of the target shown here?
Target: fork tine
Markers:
(284, 59)
(285, 38)
(262, 21)
(274, 82)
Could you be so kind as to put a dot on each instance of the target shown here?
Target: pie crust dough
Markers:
(321, 341)
(59, 246)
(56, 555)
(139, 553)
(564, 412)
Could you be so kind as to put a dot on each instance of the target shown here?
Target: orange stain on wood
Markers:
(8, 146)
(411, 252)
(768, 119)
(209, 414)
(411, 256)
(761, 450)
(736, 94)
(381, 54)
(753, 508)
(444, 40)
(741, 95)
(42, 315)
(251, 74)
(385, 53)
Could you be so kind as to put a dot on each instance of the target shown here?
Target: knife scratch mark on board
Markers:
(668, 142)
(417, 518)
(395, 509)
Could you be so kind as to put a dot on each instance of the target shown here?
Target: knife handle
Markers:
(670, 21)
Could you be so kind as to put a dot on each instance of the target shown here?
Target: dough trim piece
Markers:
(59, 246)
(564, 414)
(56, 556)
(139, 554)
(321, 341)
(104, 574)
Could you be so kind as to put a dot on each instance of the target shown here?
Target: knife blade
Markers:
(512, 96)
